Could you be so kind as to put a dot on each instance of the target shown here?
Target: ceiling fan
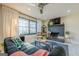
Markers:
(40, 6)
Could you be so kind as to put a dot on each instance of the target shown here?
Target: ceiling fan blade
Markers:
(42, 4)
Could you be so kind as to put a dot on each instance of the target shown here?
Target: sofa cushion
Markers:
(19, 53)
(17, 41)
(28, 48)
(40, 52)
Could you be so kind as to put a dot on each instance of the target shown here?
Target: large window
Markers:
(33, 27)
(27, 26)
(23, 26)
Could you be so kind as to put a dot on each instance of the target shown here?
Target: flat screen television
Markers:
(57, 29)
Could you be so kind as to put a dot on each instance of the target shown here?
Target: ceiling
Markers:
(51, 10)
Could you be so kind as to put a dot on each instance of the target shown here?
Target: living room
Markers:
(41, 25)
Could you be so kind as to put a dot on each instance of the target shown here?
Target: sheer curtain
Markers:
(10, 18)
(1, 24)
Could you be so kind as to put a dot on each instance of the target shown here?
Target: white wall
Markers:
(72, 25)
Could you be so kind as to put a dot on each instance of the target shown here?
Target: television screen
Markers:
(57, 29)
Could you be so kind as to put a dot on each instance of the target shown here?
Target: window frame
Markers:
(29, 33)
(35, 27)
(23, 26)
